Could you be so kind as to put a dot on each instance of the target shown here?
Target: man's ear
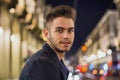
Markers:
(45, 33)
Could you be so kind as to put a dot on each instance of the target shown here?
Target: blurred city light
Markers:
(109, 63)
(76, 77)
(118, 66)
(101, 54)
(109, 51)
(13, 38)
(1, 31)
(91, 67)
(84, 48)
(12, 10)
(105, 66)
(101, 72)
(95, 71)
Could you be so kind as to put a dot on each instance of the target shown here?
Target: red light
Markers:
(81, 68)
(110, 63)
(84, 69)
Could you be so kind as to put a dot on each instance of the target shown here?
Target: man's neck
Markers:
(59, 54)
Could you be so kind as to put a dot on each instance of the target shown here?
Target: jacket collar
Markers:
(59, 63)
(50, 52)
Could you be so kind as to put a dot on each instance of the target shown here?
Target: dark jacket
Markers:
(44, 65)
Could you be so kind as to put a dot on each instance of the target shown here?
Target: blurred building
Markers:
(102, 47)
(21, 24)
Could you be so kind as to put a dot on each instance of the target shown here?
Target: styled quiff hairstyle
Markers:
(60, 11)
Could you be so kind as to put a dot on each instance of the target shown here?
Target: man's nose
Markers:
(66, 35)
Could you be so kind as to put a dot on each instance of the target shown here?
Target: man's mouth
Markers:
(66, 44)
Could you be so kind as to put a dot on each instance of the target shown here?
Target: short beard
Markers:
(54, 47)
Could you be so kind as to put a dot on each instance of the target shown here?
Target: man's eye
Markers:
(60, 31)
(71, 30)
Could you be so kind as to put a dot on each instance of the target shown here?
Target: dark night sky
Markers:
(89, 12)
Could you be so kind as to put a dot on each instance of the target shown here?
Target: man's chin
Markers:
(63, 50)
(66, 50)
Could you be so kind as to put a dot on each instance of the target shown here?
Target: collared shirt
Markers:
(65, 70)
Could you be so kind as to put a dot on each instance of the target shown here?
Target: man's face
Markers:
(60, 35)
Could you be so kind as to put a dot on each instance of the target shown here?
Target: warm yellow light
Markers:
(84, 48)
(94, 72)
(12, 10)
(101, 72)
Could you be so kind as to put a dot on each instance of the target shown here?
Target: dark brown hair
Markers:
(60, 11)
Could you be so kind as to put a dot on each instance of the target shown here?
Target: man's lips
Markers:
(66, 44)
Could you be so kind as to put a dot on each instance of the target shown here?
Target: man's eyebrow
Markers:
(71, 28)
(59, 28)
(63, 28)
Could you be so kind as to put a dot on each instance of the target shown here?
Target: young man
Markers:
(47, 63)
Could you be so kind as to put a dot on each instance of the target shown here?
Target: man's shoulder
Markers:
(41, 58)
(37, 55)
